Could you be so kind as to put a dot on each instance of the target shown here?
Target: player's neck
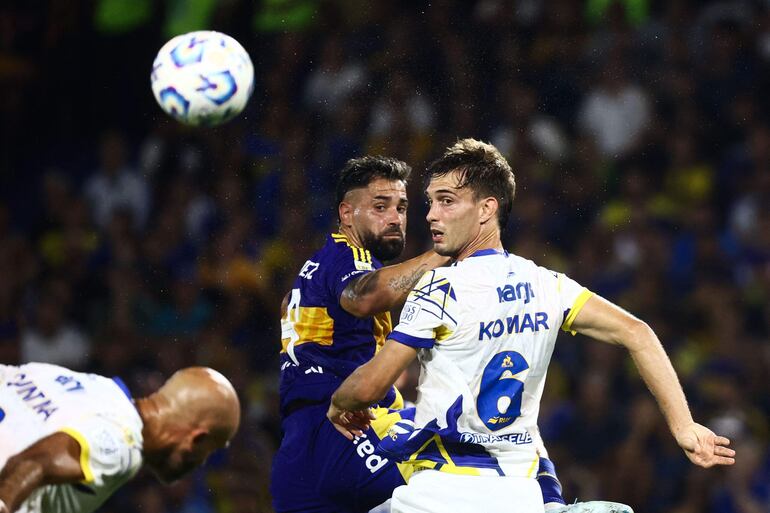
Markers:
(486, 239)
(152, 412)
(352, 237)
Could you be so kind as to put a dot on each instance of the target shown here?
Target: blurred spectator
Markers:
(50, 337)
(616, 112)
(335, 79)
(116, 185)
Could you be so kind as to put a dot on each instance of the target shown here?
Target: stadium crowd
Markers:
(639, 132)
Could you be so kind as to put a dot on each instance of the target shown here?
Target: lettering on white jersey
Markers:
(70, 382)
(510, 292)
(32, 396)
(513, 324)
(484, 438)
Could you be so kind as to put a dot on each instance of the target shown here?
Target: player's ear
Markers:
(198, 437)
(488, 209)
(345, 211)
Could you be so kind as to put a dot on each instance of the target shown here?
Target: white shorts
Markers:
(430, 491)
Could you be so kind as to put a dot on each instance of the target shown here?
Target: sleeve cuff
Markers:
(409, 340)
(85, 453)
(575, 310)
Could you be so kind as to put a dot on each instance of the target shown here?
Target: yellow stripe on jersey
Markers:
(449, 467)
(576, 307)
(361, 256)
(384, 421)
(381, 328)
(85, 453)
(535, 464)
(313, 324)
(442, 333)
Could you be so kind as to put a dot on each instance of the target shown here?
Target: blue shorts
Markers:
(317, 470)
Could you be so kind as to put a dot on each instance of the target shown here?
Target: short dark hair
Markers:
(482, 168)
(359, 172)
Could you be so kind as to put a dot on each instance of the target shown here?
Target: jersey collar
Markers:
(123, 387)
(488, 251)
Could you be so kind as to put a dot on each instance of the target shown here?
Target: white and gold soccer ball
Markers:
(202, 78)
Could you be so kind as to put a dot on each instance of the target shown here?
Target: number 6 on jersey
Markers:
(499, 399)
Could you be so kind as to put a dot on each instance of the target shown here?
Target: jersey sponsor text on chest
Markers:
(513, 324)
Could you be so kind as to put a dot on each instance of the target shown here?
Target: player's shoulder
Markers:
(528, 267)
(339, 250)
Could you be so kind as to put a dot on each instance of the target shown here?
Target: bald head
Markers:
(193, 414)
(205, 398)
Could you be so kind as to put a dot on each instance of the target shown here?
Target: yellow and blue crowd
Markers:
(639, 132)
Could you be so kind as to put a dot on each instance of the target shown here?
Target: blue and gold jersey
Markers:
(321, 343)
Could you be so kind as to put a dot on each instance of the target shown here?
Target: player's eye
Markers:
(379, 208)
(446, 201)
(402, 209)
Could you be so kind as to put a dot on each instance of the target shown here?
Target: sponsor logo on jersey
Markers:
(409, 312)
(363, 266)
(513, 324)
(509, 293)
(483, 438)
(365, 451)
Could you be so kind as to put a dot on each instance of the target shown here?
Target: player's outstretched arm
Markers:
(365, 386)
(54, 459)
(607, 322)
(387, 287)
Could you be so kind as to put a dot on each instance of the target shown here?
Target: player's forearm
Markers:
(387, 287)
(357, 392)
(18, 479)
(657, 372)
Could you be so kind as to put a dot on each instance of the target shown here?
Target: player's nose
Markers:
(431, 215)
(394, 217)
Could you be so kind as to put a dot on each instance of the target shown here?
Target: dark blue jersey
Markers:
(321, 342)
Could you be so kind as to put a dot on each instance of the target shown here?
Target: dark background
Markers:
(638, 130)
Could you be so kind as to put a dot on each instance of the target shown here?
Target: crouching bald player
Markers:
(69, 440)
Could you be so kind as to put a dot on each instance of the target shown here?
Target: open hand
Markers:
(350, 423)
(703, 447)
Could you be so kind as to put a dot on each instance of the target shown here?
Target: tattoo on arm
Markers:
(407, 282)
(362, 286)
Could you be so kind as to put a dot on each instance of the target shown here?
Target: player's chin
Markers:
(442, 249)
(170, 474)
(389, 248)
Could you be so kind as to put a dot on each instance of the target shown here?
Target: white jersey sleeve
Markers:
(429, 314)
(572, 296)
(107, 451)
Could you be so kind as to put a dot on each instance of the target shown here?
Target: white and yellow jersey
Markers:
(38, 399)
(485, 329)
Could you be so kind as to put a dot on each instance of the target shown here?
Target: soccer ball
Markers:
(202, 78)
